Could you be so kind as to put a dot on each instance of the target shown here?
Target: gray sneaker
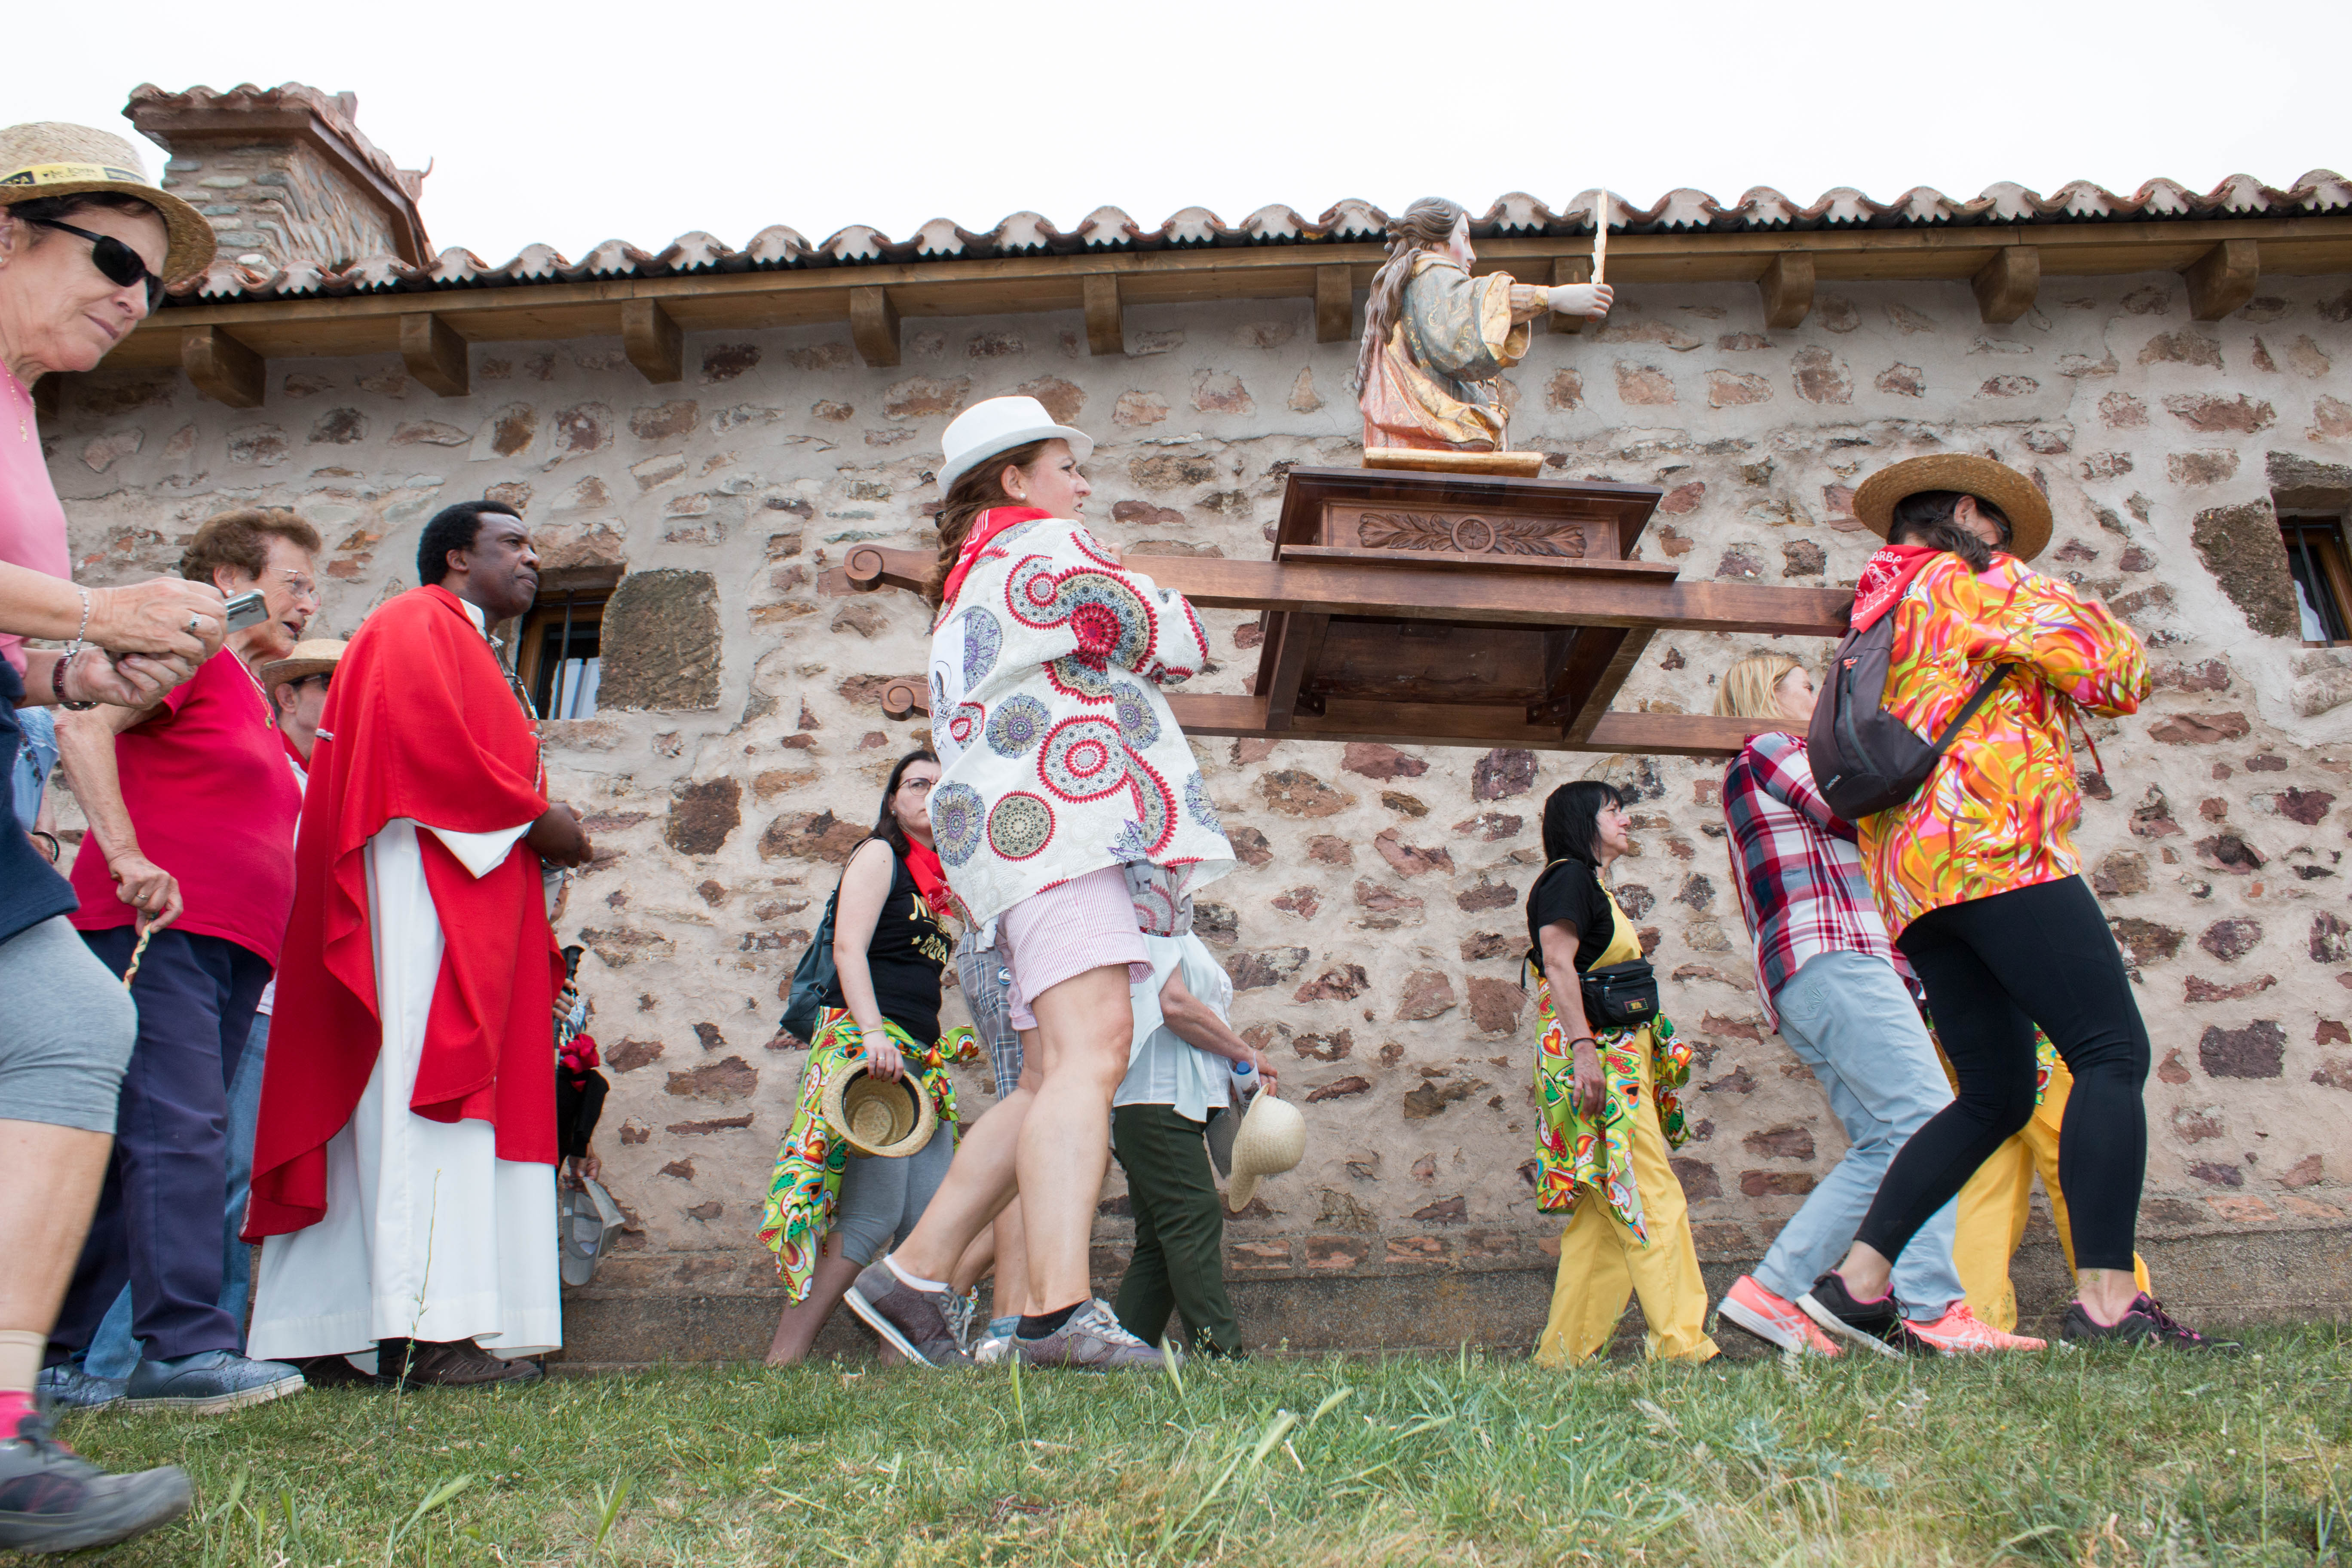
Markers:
(912, 1322)
(962, 1311)
(53, 1500)
(208, 1383)
(68, 1386)
(1091, 1339)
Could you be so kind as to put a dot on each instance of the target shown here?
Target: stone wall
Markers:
(1374, 924)
(270, 200)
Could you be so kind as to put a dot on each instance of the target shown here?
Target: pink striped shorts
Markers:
(1086, 923)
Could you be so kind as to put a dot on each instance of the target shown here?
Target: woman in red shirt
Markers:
(192, 812)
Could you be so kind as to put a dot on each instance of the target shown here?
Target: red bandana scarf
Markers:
(1882, 581)
(989, 524)
(931, 880)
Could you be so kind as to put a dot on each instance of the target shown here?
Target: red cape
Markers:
(419, 723)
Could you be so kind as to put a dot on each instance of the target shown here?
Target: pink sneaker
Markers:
(1957, 1333)
(1773, 1318)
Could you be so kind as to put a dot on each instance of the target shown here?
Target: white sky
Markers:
(572, 124)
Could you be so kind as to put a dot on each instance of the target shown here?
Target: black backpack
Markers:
(1865, 759)
(812, 978)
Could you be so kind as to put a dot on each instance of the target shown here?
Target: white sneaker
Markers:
(993, 1343)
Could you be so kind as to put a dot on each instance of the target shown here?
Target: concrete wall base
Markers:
(2217, 1281)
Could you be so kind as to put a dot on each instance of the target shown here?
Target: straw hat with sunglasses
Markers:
(85, 240)
(69, 187)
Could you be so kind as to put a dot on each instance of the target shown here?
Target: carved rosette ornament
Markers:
(1471, 535)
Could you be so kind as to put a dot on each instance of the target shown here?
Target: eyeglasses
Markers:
(918, 786)
(116, 261)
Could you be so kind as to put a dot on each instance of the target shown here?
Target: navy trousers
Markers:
(159, 1217)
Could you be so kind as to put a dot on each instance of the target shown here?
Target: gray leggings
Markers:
(881, 1199)
(66, 1030)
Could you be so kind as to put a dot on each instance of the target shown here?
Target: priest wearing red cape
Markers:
(404, 1167)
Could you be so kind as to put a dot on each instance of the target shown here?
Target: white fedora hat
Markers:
(1272, 1139)
(999, 424)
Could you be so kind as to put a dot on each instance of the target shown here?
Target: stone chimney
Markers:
(285, 175)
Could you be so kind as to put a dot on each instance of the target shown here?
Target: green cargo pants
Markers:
(1180, 1231)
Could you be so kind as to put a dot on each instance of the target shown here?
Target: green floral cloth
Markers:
(1574, 1151)
(805, 1188)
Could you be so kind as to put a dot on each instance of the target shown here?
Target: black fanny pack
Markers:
(1621, 995)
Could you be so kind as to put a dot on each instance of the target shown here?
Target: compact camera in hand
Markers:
(247, 609)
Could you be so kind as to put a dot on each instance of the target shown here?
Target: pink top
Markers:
(207, 787)
(32, 521)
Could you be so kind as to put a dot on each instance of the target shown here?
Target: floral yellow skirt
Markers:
(1574, 1151)
(804, 1189)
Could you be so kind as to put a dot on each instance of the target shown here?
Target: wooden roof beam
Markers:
(1564, 270)
(2006, 285)
(651, 338)
(331, 325)
(2224, 279)
(434, 353)
(222, 368)
(1106, 316)
(874, 325)
(1335, 304)
(1788, 288)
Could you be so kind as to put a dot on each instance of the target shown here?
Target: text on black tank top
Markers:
(908, 951)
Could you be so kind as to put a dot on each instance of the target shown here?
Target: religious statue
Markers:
(1435, 338)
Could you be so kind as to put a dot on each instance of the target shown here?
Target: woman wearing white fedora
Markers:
(1071, 815)
(86, 243)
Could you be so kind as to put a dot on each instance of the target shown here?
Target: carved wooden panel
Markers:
(1469, 534)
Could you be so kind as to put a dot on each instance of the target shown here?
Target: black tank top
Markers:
(908, 951)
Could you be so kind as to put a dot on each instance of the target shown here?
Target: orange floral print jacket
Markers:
(1998, 812)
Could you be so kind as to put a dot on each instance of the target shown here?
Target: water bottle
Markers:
(1244, 1079)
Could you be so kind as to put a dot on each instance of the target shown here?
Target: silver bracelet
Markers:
(76, 646)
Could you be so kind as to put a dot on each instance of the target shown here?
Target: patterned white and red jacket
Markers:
(1059, 756)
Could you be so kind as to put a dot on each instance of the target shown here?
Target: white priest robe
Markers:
(428, 1234)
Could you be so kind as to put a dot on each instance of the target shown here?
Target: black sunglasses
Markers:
(116, 261)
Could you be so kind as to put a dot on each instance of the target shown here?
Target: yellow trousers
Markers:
(1603, 1266)
(1994, 1206)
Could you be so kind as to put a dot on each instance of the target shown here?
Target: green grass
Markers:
(2081, 1459)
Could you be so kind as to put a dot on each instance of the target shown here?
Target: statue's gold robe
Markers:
(1432, 384)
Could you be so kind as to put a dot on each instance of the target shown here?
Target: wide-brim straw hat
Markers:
(999, 424)
(1272, 1139)
(2020, 499)
(312, 656)
(50, 158)
(888, 1118)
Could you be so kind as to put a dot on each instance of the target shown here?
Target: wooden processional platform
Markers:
(1447, 609)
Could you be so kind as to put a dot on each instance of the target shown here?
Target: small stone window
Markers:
(560, 655)
(2322, 571)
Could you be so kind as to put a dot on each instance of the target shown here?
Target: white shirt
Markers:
(1162, 1068)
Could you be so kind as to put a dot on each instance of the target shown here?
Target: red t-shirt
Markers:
(209, 793)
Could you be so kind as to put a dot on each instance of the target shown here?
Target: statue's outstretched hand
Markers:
(1591, 300)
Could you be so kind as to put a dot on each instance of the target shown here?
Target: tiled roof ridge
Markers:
(1109, 229)
(339, 109)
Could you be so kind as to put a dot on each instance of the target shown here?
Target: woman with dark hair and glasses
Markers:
(1608, 1096)
(831, 1211)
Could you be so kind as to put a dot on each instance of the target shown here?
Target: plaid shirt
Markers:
(1800, 880)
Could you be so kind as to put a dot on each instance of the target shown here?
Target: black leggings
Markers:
(1994, 968)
